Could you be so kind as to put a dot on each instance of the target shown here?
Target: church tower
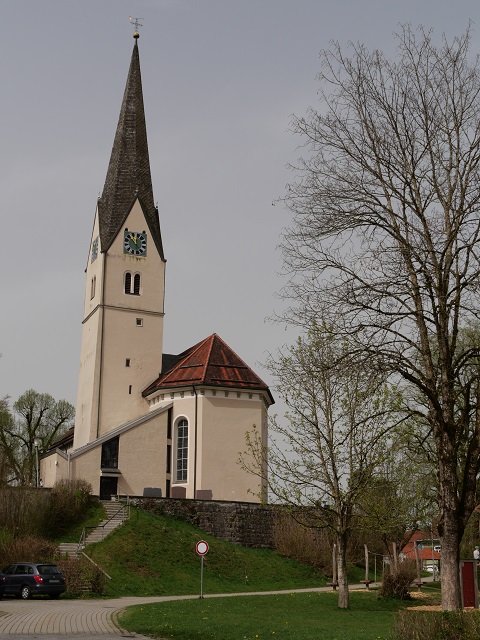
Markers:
(125, 282)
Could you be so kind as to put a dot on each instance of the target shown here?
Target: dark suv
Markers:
(24, 579)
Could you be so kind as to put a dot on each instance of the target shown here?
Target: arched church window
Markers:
(136, 284)
(128, 282)
(182, 450)
(132, 283)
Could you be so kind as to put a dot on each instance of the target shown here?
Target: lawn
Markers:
(298, 616)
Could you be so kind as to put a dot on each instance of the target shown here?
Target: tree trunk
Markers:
(451, 531)
(451, 595)
(343, 595)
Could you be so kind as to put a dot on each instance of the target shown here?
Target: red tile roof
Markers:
(424, 553)
(212, 363)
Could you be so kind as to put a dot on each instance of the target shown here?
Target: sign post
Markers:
(202, 549)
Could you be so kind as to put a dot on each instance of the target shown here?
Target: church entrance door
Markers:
(108, 487)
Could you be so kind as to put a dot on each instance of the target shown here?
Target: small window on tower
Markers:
(139, 322)
(130, 389)
(127, 362)
(93, 287)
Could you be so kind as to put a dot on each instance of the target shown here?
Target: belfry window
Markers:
(132, 283)
(182, 451)
(136, 284)
(128, 282)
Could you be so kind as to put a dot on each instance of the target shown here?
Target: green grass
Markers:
(296, 616)
(155, 555)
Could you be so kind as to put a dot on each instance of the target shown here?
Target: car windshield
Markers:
(48, 570)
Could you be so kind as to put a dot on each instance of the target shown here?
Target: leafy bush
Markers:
(81, 575)
(22, 510)
(436, 625)
(67, 503)
(27, 549)
(310, 546)
(396, 583)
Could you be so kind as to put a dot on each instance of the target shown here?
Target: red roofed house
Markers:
(137, 432)
(427, 549)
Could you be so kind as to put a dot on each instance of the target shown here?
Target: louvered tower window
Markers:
(132, 283)
(136, 284)
(128, 282)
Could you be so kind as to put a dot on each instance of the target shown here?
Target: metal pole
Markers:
(36, 462)
(201, 577)
(37, 443)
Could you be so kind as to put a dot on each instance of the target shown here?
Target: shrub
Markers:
(81, 575)
(396, 583)
(22, 510)
(436, 625)
(67, 503)
(310, 546)
(27, 549)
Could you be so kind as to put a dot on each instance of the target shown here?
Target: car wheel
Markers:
(26, 593)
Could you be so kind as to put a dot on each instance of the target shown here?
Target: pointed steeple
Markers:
(128, 175)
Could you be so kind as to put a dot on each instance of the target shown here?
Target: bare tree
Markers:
(35, 415)
(332, 442)
(385, 240)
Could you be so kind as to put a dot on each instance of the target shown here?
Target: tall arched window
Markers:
(136, 284)
(182, 450)
(128, 282)
(132, 283)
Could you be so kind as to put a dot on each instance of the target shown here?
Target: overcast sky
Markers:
(221, 79)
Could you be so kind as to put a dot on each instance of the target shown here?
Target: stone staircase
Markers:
(116, 514)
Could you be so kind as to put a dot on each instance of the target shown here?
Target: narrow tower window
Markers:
(136, 284)
(128, 282)
(93, 287)
(182, 451)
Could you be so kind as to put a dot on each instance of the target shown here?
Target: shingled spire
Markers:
(128, 175)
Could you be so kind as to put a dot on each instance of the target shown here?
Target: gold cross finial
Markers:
(136, 23)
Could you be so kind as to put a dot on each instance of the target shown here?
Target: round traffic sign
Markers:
(202, 547)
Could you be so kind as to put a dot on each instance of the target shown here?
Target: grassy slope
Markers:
(155, 555)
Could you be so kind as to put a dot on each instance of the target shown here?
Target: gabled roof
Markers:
(211, 363)
(128, 174)
(66, 439)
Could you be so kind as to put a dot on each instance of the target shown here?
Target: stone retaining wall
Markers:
(247, 523)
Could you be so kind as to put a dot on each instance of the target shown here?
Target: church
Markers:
(150, 423)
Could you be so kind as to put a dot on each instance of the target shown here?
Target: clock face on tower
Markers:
(135, 243)
(94, 249)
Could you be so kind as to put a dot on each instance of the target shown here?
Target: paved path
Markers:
(55, 619)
